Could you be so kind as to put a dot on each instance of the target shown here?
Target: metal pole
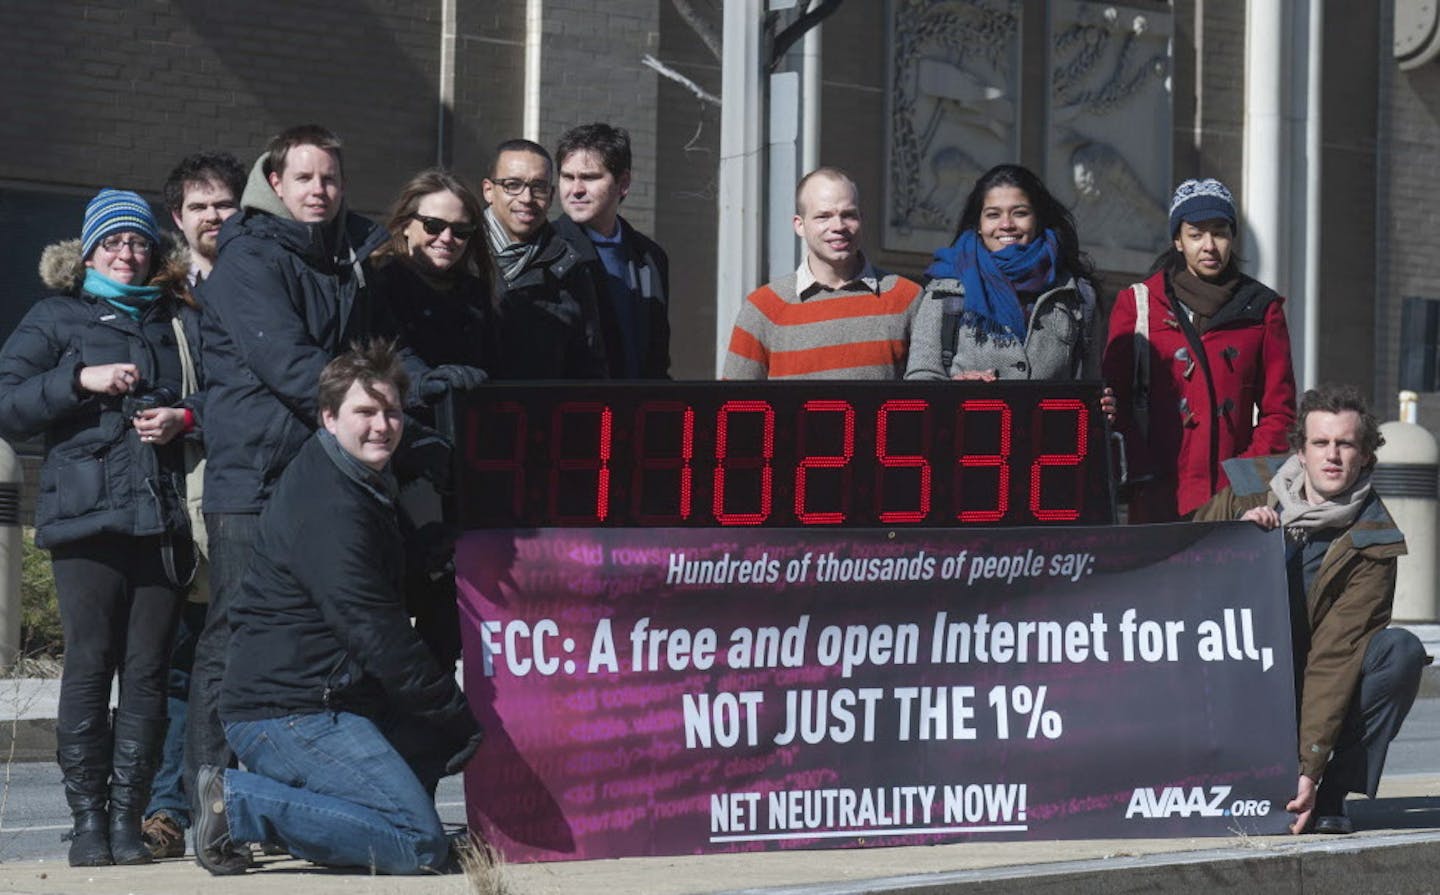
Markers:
(12, 555)
(737, 261)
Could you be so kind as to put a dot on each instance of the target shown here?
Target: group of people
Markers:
(219, 415)
(1198, 382)
(1013, 297)
(242, 417)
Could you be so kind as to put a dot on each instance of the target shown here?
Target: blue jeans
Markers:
(332, 790)
(169, 793)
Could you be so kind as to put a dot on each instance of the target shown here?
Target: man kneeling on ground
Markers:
(329, 696)
(1356, 678)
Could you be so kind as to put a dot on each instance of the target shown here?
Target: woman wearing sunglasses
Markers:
(435, 276)
(435, 273)
(95, 370)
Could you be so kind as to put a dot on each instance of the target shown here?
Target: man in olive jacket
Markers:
(1356, 677)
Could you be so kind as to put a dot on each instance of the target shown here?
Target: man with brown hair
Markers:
(331, 700)
(1355, 676)
(287, 294)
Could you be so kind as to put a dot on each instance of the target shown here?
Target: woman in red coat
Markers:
(1211, 378)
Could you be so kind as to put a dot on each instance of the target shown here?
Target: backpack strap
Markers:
(950, 327)
(1140, 387)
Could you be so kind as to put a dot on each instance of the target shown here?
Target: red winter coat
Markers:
(1176, 464)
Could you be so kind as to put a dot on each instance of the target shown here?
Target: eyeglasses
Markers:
(514, 186)
(436, 226)
(138, 245)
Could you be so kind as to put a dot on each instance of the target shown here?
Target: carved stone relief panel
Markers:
(1110, 128)
(954, 111)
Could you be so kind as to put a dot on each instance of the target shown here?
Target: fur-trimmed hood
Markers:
(63, 269)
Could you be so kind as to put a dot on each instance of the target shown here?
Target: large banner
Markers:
(678, 691)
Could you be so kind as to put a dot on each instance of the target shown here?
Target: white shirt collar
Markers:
(806, 284)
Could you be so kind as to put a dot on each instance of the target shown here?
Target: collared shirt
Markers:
(806, 285)
(620, 296)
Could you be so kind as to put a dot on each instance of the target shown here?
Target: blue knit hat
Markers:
(116, 211)
(1201, 200)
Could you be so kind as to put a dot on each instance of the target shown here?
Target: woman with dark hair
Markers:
(435, 273)
(436, 278)
(1199, 356)
(1011, 298)
(95, 369)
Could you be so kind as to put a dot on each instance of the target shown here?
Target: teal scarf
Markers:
(123, 297)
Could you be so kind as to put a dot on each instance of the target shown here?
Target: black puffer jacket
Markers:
(320, 624)
(97, 476)
(549, 319)
(283, 300)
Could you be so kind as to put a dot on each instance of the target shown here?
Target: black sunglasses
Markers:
(436, 226)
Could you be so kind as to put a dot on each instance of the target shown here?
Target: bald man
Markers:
(837, 316)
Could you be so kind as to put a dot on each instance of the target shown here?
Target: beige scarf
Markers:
(1288, 487)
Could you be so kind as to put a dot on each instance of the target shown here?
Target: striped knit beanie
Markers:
(1201, 200)
(116, 211)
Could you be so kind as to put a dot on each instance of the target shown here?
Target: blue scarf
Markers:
(993, 280)
(130, 300)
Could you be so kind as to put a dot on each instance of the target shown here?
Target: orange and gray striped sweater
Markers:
(834, 334)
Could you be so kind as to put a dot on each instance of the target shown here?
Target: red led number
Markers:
(512, 463)
(681, 465)
(889, 461)
(1072, 460)
(596, 460)
(999, 461)
(724, 463)
(839, 461)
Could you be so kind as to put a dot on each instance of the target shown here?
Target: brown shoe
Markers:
(163, 836)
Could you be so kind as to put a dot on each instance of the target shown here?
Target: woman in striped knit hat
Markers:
(95, 370)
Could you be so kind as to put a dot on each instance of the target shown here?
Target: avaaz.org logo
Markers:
(1191, 801)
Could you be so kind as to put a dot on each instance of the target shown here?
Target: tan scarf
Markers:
(1288, 487)
(1203, 297)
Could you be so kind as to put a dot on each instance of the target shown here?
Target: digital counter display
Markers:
(781, 454)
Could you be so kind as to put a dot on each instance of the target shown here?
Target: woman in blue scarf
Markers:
(95, 370)
(1011, 298)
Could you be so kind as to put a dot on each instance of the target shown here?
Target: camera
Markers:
(142, 398)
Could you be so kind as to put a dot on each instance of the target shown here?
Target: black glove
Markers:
(451, 377)
(457, 762)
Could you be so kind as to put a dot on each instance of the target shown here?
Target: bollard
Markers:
(1406, 479)
(12, 555)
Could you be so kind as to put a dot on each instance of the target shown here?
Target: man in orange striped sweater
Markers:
(837, 316)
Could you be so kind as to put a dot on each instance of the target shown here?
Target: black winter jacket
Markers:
(320, 623)
(549, 321)
(652, 269)
(455, 326)
(279, 305)
(97, 476)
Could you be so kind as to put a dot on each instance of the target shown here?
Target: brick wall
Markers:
(1409, 224)
(686, 216)
(591, 71)
(115, 91)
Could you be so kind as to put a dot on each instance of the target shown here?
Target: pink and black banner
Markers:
(680, 691)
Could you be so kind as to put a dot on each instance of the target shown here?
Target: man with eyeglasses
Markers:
(288, 294)
(549, 322)
(630, 272)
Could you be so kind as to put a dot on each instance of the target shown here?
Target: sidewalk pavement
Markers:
(1396, 850)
